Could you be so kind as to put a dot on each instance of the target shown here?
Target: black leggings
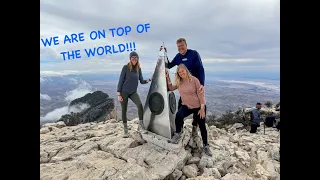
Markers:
(194, 123)
(183, 112)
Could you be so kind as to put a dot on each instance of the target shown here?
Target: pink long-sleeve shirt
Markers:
(190, 94)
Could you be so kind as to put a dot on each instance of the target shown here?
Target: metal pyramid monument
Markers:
(161, 105)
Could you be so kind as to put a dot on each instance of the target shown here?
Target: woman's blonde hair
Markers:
(177, 78)
(137, 65)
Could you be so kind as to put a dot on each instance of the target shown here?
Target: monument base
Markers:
(164, 143)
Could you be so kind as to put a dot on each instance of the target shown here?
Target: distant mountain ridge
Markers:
(98, 107)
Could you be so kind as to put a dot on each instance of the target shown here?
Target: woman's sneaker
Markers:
(125, 129)
(176, 137)
(141, 127)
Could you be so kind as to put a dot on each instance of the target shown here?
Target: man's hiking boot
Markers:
(207, 150)
(175, 139)
(126, 133)
(194, 131)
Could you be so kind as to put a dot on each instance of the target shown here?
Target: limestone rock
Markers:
(96, 150)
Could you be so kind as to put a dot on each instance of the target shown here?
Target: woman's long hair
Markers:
(177, 78)
(130, 65)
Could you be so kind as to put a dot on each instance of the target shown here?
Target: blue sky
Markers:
(231, 36)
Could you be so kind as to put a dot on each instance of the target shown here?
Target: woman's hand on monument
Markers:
(167, 73)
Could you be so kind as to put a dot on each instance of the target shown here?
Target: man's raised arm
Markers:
(172, 63)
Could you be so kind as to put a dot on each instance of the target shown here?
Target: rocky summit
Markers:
(97, 151)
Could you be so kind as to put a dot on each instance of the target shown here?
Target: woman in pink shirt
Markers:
(193, 102)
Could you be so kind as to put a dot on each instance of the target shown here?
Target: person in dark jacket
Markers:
(256, 119)
(130, 76)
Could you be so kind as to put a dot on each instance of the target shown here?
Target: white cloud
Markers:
(83, 89)
(56, 114)
(45, 97)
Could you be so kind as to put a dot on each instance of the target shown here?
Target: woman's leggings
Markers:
(124, 105)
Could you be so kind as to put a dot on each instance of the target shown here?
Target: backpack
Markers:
(250, 117)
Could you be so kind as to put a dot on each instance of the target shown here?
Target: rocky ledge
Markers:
(98, 151)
